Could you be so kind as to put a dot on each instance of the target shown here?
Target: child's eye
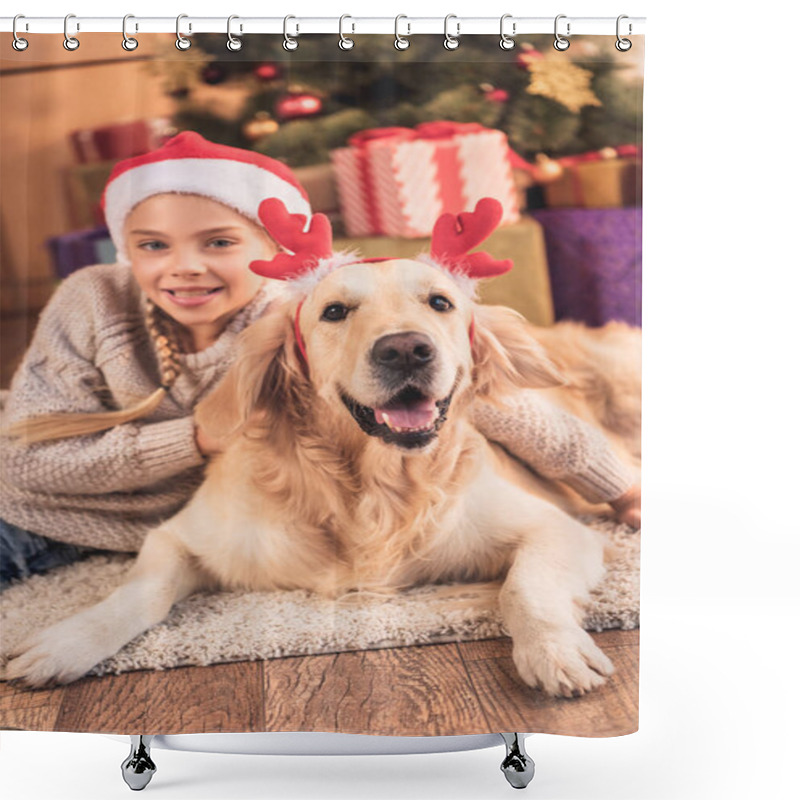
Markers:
(222, 242)
(152, 245)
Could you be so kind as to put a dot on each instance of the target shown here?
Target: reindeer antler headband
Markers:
(310, 251)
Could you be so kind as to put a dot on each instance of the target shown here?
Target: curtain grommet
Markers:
(623, 45)
(129, 43)
(345, 43)
(401, 42)
(290, 43)
(451, 42)
(18, 43)
(234, 44)
(507, 42)
(561, 44)
(181, 42)
(71, 43)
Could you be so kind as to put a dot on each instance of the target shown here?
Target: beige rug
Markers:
(213, 628)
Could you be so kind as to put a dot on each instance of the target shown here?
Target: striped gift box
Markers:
(398, 181)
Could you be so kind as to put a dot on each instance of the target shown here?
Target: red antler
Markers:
(454, 236)
(306, 247)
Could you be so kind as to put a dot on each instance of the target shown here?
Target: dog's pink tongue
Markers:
(420, 414)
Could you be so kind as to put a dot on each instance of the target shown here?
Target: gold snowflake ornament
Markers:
(563, 82)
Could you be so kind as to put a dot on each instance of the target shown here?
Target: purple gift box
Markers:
(595, 261)
(77, 249)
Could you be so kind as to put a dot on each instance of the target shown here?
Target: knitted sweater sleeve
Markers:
(58, 374)
(556, 444)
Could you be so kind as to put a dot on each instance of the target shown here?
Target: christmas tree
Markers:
(298, 106)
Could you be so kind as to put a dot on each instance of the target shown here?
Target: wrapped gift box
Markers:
(595, 262)
(525, 288)
(398, 181)
(610, 178)
(123, 140)
(77, 249)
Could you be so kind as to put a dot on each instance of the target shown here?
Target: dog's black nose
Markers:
(403, 351)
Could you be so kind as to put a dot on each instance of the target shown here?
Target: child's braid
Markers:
(167, 349)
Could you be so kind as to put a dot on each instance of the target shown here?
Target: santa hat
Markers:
(190, 164)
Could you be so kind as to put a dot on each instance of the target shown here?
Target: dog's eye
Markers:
(439, 302)
(335, 312)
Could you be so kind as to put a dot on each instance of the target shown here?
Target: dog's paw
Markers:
(56, 655)
(563, 661)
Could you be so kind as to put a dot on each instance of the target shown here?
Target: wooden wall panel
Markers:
(45, 93)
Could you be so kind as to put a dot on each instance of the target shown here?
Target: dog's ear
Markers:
(506, 355)
(259, 381)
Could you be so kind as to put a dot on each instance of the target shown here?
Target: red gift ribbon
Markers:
(446, 159)
(361, 138)
(446, 129)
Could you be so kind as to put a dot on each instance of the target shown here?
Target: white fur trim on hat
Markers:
(240, 185)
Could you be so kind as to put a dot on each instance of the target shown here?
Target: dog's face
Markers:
(388, 343)
(389, 353)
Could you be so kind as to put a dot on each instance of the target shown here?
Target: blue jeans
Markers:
(23, 553)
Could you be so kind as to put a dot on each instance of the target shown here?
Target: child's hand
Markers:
(206, 444)
(629, 507)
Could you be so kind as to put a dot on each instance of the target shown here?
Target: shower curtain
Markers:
(384, 141)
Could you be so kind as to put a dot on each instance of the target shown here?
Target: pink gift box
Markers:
(398, 181)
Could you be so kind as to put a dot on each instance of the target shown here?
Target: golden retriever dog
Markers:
(352, 464)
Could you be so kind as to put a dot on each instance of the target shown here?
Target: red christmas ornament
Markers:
(497, 96)
(492, 94)
(268, 71)
(212, 74)
(295, 106)
(526, 55)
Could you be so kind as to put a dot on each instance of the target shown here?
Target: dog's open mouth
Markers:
(410, 418)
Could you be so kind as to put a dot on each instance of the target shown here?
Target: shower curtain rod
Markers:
(350, 25)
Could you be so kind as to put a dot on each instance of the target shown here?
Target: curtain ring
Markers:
(623, 45)
(344, 42)
(400, 42)
(234, 44)
(19, 43)
(289, 42)
(506, 42)
(181, 42)
(128, 42)
(70, 42)
(561, 43)
(451, 42)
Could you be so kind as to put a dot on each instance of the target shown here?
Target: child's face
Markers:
(190, 255)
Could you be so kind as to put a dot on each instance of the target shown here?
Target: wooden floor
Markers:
(444, 689)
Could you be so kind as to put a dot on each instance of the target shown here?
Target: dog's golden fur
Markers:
(302, 497)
